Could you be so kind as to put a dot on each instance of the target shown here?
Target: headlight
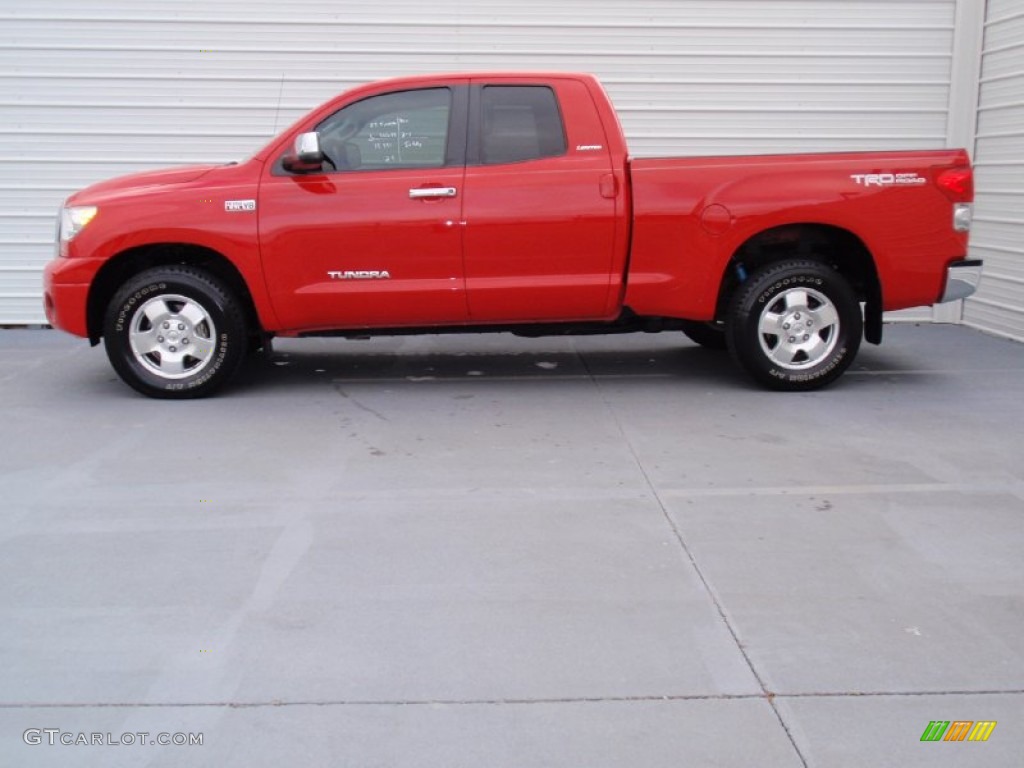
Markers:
(73, 220)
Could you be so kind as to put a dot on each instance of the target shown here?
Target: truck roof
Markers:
(483, 75)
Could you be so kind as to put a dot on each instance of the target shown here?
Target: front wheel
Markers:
(795, 325)
(175, 332)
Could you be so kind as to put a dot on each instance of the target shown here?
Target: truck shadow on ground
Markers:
(655, 363)
(304, 367)
(315, 362)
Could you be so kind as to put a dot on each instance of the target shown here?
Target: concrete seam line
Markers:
(768, 695)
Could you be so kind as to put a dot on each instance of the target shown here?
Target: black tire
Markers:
(794, 325)
(175, 332)
(708, 335)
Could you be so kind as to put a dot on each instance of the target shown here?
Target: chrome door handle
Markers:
(427, 192)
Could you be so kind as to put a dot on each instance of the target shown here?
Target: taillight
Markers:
(956, 183)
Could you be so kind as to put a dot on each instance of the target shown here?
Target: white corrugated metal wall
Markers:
(95, 88)
(999, 154)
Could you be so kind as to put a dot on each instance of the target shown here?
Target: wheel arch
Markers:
(132, 261)
(835, 246)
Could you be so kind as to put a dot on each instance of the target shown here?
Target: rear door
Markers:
(539, 208)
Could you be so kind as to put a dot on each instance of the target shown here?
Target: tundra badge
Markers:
(359, 274)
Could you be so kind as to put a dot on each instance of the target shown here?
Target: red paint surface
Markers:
(575, 237)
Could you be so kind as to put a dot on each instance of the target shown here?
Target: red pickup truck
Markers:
(504, 202)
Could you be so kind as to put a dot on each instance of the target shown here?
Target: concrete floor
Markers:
(489, 551)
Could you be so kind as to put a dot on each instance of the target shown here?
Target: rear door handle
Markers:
(429, 192)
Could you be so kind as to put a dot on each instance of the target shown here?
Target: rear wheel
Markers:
(175, 332)
(795, 325)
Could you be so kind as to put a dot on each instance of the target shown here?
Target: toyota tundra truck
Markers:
(504, 202)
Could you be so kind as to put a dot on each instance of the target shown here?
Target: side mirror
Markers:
(307, 148)
(306, 155)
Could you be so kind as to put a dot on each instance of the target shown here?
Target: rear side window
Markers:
(520, 122)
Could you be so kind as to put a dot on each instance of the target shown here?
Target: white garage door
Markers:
(998, 236)
(95, 88)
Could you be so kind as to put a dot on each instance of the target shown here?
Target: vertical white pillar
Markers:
(962, 118)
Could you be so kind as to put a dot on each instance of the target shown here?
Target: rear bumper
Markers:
(962, 278)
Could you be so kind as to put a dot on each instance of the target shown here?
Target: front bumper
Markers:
(962, 278)
(66, 293)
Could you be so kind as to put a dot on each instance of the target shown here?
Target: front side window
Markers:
(520, 122)
(408, 129)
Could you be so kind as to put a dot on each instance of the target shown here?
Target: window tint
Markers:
(520, 123)
(408, 129)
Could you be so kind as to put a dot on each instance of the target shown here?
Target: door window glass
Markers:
(520, 123)
(408, 129)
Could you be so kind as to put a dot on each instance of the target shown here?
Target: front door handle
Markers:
(431, 192)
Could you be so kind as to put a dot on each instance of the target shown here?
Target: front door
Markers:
(373, 239)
